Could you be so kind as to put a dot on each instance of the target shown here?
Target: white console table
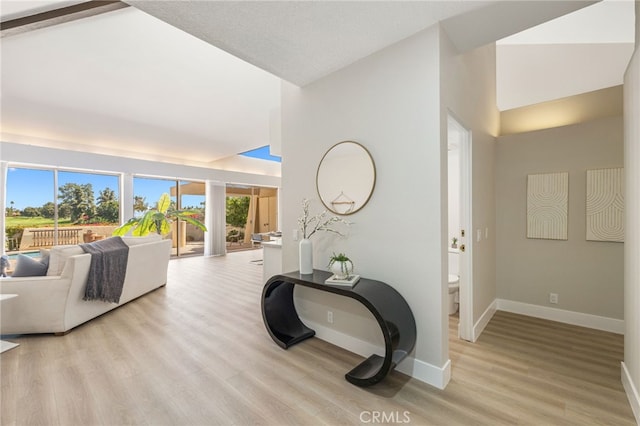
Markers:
(4, 345)
(272, 258)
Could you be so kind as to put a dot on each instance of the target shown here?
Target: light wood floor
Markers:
(196, 353)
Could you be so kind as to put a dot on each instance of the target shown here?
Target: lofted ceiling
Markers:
(196, 81)
(127, 83)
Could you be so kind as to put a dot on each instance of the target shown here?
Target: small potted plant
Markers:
(454, 242)
(340, 265)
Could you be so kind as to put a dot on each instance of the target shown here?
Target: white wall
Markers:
(390, 103)
(469, 93)
(535, 73)
(631, 365)
(241, 163)
(587, 275)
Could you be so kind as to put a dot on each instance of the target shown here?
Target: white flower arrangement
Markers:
(309, 225)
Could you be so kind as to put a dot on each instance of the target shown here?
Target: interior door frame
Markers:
(465, 326)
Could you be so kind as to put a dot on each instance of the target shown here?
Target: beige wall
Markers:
(587, 275)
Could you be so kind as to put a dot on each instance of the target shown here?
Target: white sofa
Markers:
(54, 303)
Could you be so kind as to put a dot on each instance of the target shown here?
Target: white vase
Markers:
(341, 272)
(306, 256)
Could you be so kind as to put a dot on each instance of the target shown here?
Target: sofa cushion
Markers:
(30, 267)
(58, 258)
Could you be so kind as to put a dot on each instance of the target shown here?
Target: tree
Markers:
(237, 211)
(140, 204)
(80, 199)
(108, 206)
(31, 212)
(64, 210)
(48, 210)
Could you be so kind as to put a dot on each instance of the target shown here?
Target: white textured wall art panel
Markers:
(547, 205)
(605, 205)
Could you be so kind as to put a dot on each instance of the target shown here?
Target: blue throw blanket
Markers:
(108, 269)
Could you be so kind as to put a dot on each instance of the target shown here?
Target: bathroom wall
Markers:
(587, 275)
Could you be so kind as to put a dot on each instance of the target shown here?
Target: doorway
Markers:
(252, 216)
(460, 253)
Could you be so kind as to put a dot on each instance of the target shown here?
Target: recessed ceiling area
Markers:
(585, 51)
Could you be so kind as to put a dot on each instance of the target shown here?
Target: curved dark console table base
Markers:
(388, 307)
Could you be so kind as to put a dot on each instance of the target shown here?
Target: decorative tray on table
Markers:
(347, 282)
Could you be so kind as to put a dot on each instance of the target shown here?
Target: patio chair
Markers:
(256, 239)
(234, 237)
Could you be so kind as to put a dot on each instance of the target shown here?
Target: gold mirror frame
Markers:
(346, 177)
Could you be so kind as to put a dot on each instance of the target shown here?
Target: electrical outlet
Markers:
(553, 298)
(330, 317)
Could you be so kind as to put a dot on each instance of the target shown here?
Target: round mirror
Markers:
(346, 177)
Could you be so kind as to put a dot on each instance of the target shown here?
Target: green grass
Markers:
(33, 222)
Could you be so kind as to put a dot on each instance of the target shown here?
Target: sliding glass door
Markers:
(47, 207)
(185, 195)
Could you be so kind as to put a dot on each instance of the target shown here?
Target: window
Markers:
(87, 207)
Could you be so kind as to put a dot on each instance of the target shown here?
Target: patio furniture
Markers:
(234, 237)
(256, 239)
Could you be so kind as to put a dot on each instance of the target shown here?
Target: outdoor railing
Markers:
(46, 237)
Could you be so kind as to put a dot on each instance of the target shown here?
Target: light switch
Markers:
(486, 233)
(295, 235)
(478, 235)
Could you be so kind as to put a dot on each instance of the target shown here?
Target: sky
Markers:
(262, 153)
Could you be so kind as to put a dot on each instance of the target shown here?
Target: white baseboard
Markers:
(430, 374)
(568, 317)
(486, 316)
(632, 392)
(420, 370)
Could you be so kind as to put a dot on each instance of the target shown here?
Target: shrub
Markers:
(14, 231)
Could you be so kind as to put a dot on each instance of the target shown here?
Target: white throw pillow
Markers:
(58, 258)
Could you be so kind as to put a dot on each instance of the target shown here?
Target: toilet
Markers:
(454, 280)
